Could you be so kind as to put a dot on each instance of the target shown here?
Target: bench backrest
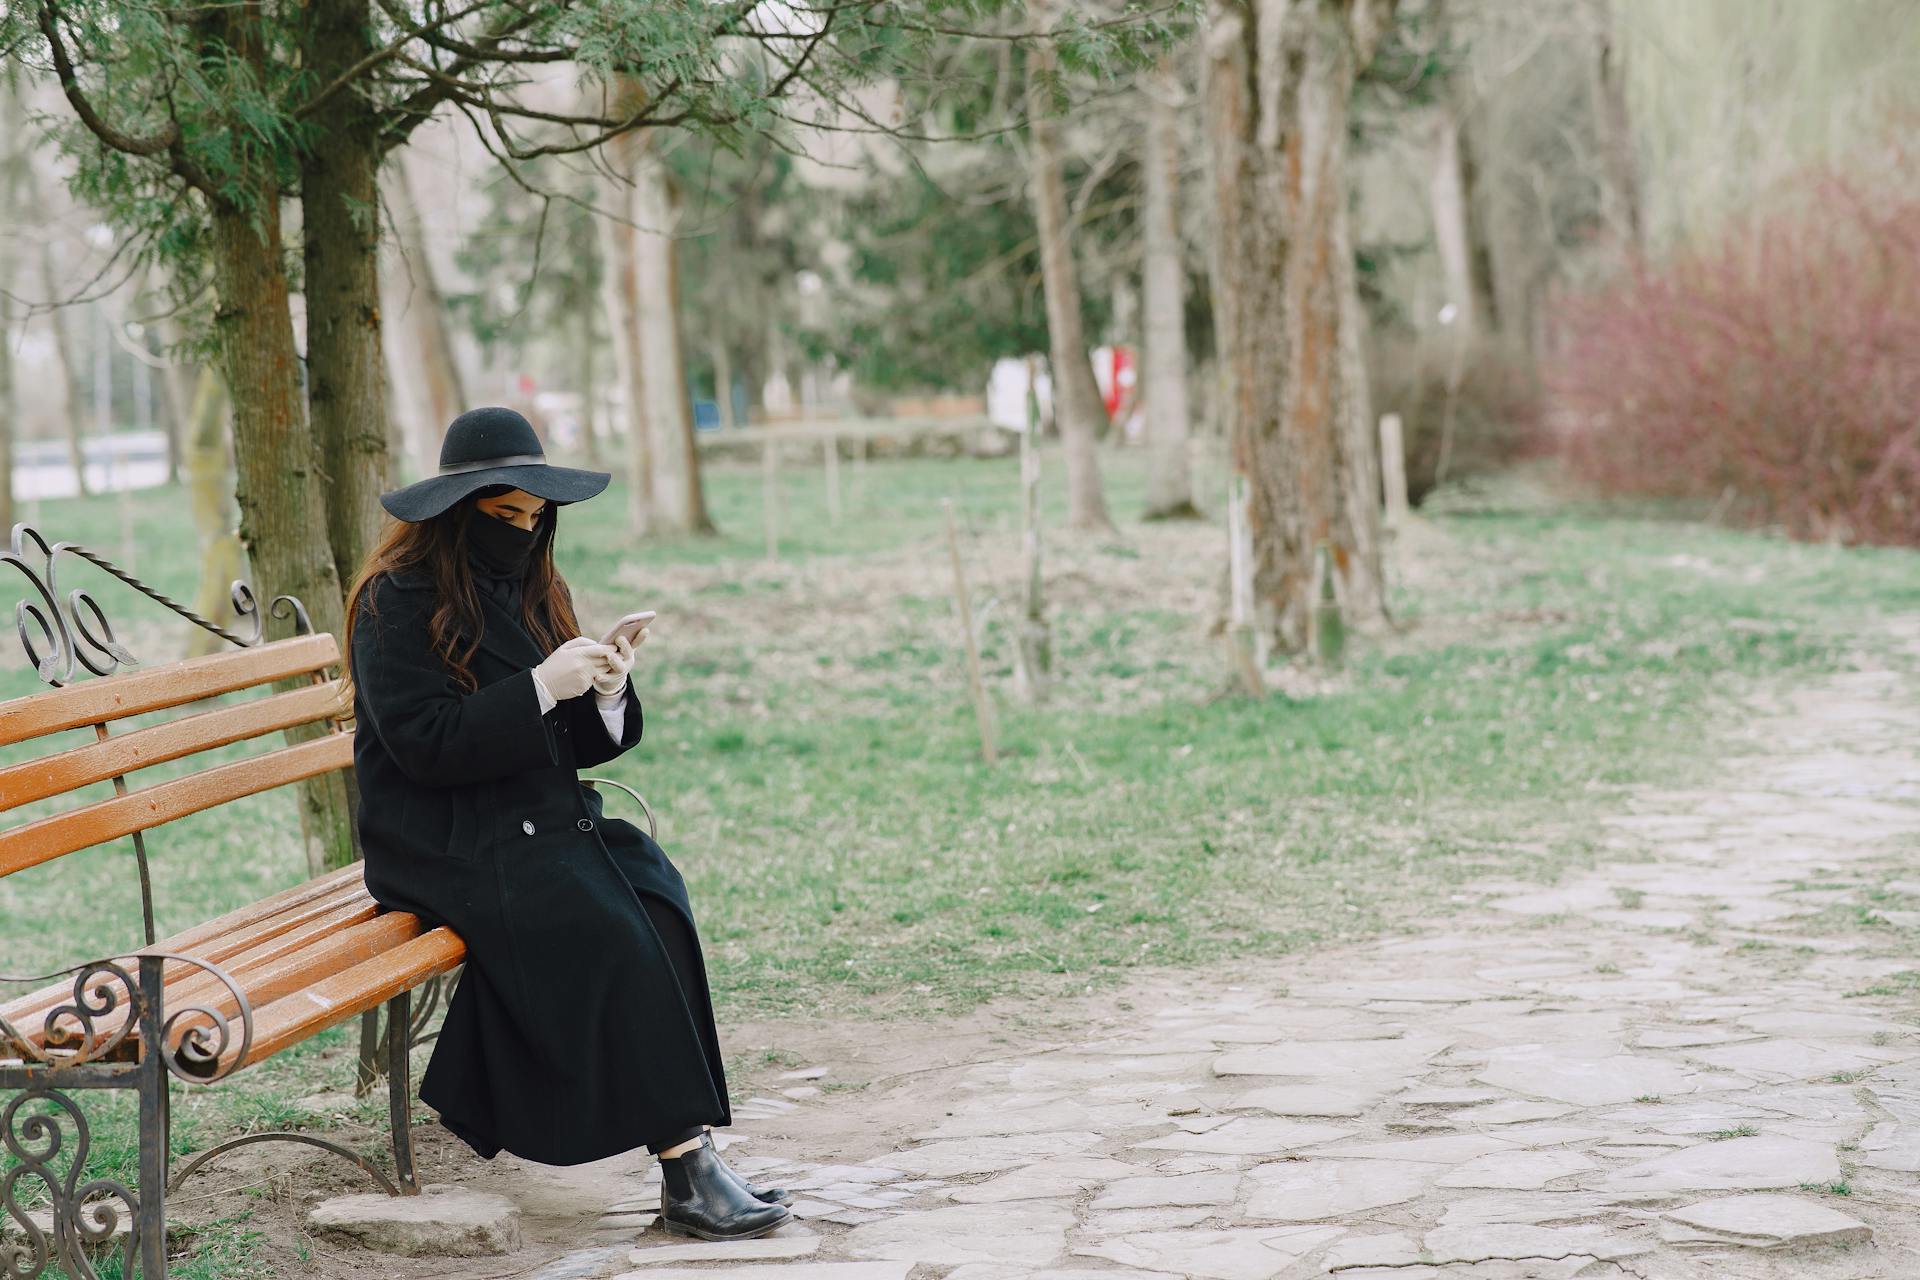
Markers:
(98, 704)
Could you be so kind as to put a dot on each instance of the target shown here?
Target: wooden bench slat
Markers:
(333, 884)
(134, 692)
(283, 910)
(371, 982)
(321, 958)
(261, 971)
(36, 842)
(235, 952)
(82, 766)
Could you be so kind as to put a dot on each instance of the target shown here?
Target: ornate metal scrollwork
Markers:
(194, 1039)
(73, 631)
(79, 1216)
(73, 1033)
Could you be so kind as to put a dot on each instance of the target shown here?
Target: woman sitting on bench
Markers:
(582, 1025)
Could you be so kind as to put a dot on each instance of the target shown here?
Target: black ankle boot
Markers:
(765, 1195)
(699, 1197)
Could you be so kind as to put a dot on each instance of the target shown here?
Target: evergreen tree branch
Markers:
(385, 53)
(167, 141)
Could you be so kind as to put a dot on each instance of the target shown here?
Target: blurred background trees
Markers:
(1667, 244)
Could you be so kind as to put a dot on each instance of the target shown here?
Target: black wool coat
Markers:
(569, 1037)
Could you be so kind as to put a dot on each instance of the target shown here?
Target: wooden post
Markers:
(982, 705)
(1240, 636)
(1035, 648)
(770, 495)
(833, 478)
(1393, 469)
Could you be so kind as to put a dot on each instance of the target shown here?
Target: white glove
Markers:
(570, 670)
(611, 683)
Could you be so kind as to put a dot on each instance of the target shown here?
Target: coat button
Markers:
(527, 826)
(585, 824)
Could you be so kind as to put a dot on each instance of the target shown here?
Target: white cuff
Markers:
(547, 701)
(613, 714)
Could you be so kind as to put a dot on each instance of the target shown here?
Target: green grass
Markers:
(816, 766)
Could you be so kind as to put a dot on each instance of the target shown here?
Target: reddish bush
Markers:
(1775, 373)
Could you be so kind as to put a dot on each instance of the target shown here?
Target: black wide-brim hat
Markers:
(487, 447)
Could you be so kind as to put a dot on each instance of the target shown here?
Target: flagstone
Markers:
(1448, 1097)
(1576, 899)
(1249, 1135)
(1332, 1058)
(1788, 1059)
(1486, 1242)
(1344, 1099)
(1392, 1249)
(1738, 1164)
(1237, 1253)
(1687, 1037)
(1309, 1190)
(1059, 1176)
(1022, 1231)
(999, 1271)
(1763, 1222)
(988, 1155)
(1412, 990)
(1515, 1111)
(1170, 1191)
(1891, 1146)
(1052, 1072)
(835, 1270)
(1518, 1170)
(1578, 1076)
(1529, 1210)
(1450, 1148)
(768, 1247)
(1811, 1025)
(1108, 1222)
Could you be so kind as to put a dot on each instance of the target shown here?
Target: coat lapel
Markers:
(500, 631)
(502, 635)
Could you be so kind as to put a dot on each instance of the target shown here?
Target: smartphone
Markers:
(628, 626)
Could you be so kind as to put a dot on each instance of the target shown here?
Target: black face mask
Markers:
(499, 550)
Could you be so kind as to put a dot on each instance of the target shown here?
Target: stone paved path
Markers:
(1697, 1060)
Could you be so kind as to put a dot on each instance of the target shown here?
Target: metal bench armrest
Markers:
(653, 828)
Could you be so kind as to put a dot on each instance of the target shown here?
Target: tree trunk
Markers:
(680, 504)
(178, 378)
(1447, 200)
(69, 369)
(1615, 124)
(433, 354)
(1077, 409)
(209, 468)
(722, 379)
(13, 162)
(620, 298)
(1169, 477)
(346, 365)
(282, 515)
(1285, 305)
(588, 374)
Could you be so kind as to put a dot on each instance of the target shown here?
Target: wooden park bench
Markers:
(212, 1000)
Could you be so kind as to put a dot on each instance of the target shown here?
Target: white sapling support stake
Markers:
(982, 705)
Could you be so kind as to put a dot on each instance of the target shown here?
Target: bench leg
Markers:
(400, 1090)
(155, 1126)
(372, 1060)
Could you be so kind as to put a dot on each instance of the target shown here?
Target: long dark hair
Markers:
(438, 549)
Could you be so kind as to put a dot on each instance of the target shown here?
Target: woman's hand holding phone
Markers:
(612, 682)
(633, 627)
(572, 669)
